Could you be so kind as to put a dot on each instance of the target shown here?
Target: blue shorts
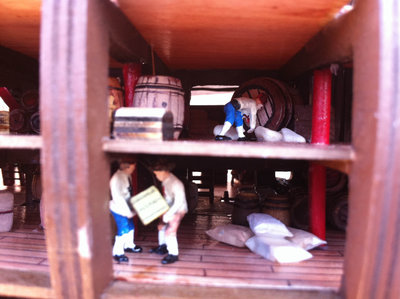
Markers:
(232, 115)
(124, 224)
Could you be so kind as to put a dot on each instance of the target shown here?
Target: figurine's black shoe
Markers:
(169, 259)
(120, 258)
(222, 137)
(134, 249)
(162, 249)
(242, 139)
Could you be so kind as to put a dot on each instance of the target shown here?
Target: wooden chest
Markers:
(143, 123)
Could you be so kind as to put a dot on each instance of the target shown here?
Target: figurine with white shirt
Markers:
(234, 112)
(174, 193)
(121, 192)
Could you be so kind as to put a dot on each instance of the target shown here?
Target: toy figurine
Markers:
(121, 192)
(174, 193)
(234, 111)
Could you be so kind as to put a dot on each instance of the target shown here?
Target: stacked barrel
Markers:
(278, 109)
(24, 118)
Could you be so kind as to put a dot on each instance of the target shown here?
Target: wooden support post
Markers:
(73, 94)
(372, 264)
(319, 135)
(131, 72)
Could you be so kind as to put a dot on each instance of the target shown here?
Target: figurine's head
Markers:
(162, 164)
(127, 166)
(162, 168)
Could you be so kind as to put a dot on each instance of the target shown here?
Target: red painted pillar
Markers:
(319, 135)
(131, 73)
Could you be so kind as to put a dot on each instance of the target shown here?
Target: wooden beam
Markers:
(73, 80)
(124, 290)
(191, 78)
(126, 43)
(372, 266)
(25, 284)
(333, 44)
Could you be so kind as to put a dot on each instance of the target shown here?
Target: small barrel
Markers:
(37, 186)
(30, 100)
(6, 211)
(19, 121)
(277, 206)
(246, 202)
(34, 122)
(337, 210)
(162, 92)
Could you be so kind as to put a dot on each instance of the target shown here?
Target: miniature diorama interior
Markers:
(183, 149)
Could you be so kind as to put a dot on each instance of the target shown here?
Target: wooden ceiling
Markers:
(20, 26)
(198, 34)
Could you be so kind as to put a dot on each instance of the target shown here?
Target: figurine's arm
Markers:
(179, 203)
(253, 117)
(120, 194)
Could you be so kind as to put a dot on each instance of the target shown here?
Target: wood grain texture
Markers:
(262, 150)
(73, 74)
(205, 266)
(228, 34)
(191, 34)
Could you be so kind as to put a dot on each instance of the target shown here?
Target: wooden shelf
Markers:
(29, 142)
(233, 149)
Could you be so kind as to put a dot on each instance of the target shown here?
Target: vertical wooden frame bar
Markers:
(372, 264)
(73, 92)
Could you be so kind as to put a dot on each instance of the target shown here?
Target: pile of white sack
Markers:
(265, 134)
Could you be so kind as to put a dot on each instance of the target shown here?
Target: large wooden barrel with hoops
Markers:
(280, 98)
(247, 201)
(162, 92)
(278, 206)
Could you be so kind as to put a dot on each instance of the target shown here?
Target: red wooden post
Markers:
(319, 135)
(131, 73)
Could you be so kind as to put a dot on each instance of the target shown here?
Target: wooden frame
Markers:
(372, 268)
(73, 71)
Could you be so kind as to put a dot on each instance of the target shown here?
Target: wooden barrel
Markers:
(19, 121)
(34, 122)
(246, 202)
(336, 181)
(30, 100)
(337, 210)
(37, 186)
(278, 206)
(278, 107)
(6, 211)
(299, 210)
(162, 92)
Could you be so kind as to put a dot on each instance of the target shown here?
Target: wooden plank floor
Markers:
(203, 261)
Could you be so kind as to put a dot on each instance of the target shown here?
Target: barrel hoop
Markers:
(6, 212)
(179, 89)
